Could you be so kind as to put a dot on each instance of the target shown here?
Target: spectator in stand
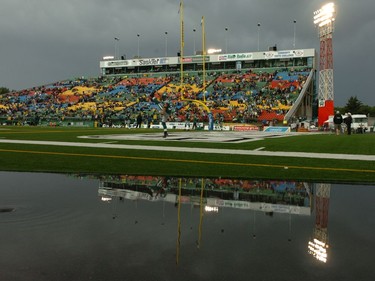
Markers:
(348, 121)
(337, 121)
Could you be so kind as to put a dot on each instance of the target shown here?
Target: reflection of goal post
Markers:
(324, 18)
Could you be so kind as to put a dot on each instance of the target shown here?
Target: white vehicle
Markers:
(359, 123)
(328, 124)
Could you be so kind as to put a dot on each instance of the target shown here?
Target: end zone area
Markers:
(194, 136)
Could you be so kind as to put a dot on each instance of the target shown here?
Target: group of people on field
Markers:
(338, 120)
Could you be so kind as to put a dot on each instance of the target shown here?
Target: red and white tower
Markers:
(324, 19)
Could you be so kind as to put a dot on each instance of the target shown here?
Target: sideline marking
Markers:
(186, 161)
(356, 157)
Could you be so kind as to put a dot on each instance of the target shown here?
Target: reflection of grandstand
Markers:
(244, 88)
(265, 196)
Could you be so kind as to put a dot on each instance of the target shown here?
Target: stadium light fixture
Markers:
(325, 15)
(213, 51)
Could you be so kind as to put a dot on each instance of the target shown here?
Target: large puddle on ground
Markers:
(75, 227)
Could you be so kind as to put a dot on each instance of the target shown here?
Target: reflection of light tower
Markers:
(319, 244)
(324, 18)
(254, 234)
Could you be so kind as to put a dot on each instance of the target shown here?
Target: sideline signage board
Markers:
(245, 128)
(277, 129)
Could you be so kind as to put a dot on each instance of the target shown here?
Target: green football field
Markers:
(301, 157)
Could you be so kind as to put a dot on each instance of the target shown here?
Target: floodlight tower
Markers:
(324, 19)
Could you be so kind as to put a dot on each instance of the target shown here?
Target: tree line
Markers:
(355, 106)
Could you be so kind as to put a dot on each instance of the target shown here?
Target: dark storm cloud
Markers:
(43, 41)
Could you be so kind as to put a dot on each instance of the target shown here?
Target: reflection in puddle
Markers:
(318, 246)
(212, 195)
(138, 227)
(6, 210)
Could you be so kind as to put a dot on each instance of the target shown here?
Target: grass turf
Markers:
(37, 158)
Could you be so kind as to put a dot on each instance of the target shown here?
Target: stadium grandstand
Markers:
(241, 88)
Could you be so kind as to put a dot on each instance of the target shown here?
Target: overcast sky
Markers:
(44, 41)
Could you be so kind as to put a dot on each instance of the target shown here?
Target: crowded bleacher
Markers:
(253, 95)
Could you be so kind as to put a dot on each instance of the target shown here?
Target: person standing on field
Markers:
(164, 118)
(337, 121)
(139, 120)
(348, 122)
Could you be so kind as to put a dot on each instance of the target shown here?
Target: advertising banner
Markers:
(245, 128)
(240, 56)
(277, 129)
(197, 59)
(283, 54)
